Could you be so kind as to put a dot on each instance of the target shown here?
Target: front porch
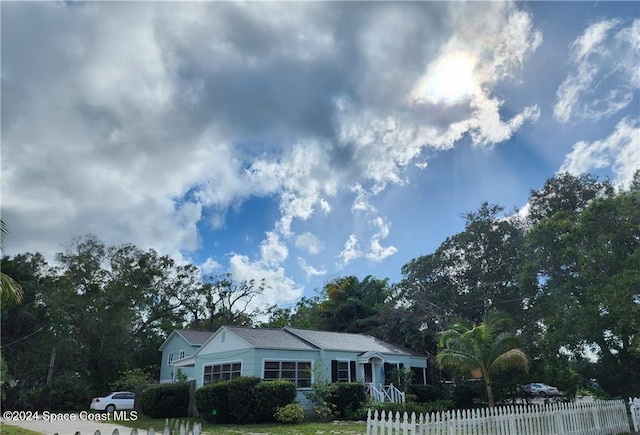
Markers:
(371, 367)
(384, 393)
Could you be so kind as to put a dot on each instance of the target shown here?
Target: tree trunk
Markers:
(490, 396)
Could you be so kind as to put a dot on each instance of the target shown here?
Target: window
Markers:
(343, 371)
(170, 359)
(298, 372)
(181, 354)
(221, 372)
(419, 375)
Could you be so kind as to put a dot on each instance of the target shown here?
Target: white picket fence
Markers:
(634, 406)
(170, 428)
(597, 417)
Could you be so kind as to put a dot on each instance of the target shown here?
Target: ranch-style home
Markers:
(295, 354)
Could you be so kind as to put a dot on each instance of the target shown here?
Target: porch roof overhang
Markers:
(189, 361)
(368, 356)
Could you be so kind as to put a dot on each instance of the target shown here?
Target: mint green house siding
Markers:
(301, 356)
(179, 345)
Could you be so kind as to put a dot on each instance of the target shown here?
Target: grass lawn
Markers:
(310, 427)
(6, 429)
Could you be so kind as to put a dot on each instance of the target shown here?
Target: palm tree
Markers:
(483, 350)
(10, 290)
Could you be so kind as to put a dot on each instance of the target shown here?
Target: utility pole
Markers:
(52, 362)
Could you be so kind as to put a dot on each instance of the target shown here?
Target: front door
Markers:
(368, 373)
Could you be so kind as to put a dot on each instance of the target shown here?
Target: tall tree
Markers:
(484, 350)
(353, 305)
(469, 273)
(10, 290)
(585, 254)
(223, 300)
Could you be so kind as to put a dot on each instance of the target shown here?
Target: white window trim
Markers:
(310, 361)
(348, 361)
(181, 355)
(170, 359)
(220, 364)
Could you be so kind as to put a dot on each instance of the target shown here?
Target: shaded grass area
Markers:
(304, 428)
(6, 429)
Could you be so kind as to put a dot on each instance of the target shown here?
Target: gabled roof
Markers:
(270, 338)
(296, 339)
(193, 338)
(328, 340)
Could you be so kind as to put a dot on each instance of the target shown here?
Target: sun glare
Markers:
(449, 80)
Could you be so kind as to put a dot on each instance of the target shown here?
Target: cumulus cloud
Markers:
(350, 252)
(138, 121)
(308, 242)
(309, 270)
(606, 76)
(620, 151)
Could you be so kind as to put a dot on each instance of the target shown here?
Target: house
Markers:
(180, 344)
(299, 355)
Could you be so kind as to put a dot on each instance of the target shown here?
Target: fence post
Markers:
(634, 406)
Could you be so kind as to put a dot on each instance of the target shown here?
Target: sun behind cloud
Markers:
(449, 80)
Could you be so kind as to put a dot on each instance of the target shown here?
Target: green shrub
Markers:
(130, 379)
(438, 405)
(242, 404)
(427, 393)
(291, 413)
(268, 396)
(68, 393)
(410, 407)
(212, 402)
(464, 395)
(347, 398)
(165, 401)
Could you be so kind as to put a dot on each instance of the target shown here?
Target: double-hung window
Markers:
(221, 372)
(298, 372)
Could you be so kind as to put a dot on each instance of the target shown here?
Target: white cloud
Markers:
(137, 121)
(309, 270)
(350, 252)
(280, 287)
(377, 252)
(606, 58)
(620, 150)
(211, 267)
(308, 242)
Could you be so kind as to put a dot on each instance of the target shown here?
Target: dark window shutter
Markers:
(352, 369)
(334, 371)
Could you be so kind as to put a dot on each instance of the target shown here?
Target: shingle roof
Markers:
(349, 342)
(195, 338)
(271, 338)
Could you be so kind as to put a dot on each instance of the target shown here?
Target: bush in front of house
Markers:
(166, 401)
(411, 407)
(271, 395)
(347, 398)
(241, 399)
(465, 395)
(290, 414)
(244, 400)
(427, 393)
(212, 402)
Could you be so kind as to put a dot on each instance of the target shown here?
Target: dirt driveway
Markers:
(66, 423)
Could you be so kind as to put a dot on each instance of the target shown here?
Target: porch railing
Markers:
(385, 393)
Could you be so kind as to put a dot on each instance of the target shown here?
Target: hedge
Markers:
(244, 400)
(166, 401)
(212, 403)
(271, 395)
(347, 397)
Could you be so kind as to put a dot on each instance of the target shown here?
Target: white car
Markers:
(541, 390)
(120, 400)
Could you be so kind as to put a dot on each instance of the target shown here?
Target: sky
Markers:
(299, 142)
